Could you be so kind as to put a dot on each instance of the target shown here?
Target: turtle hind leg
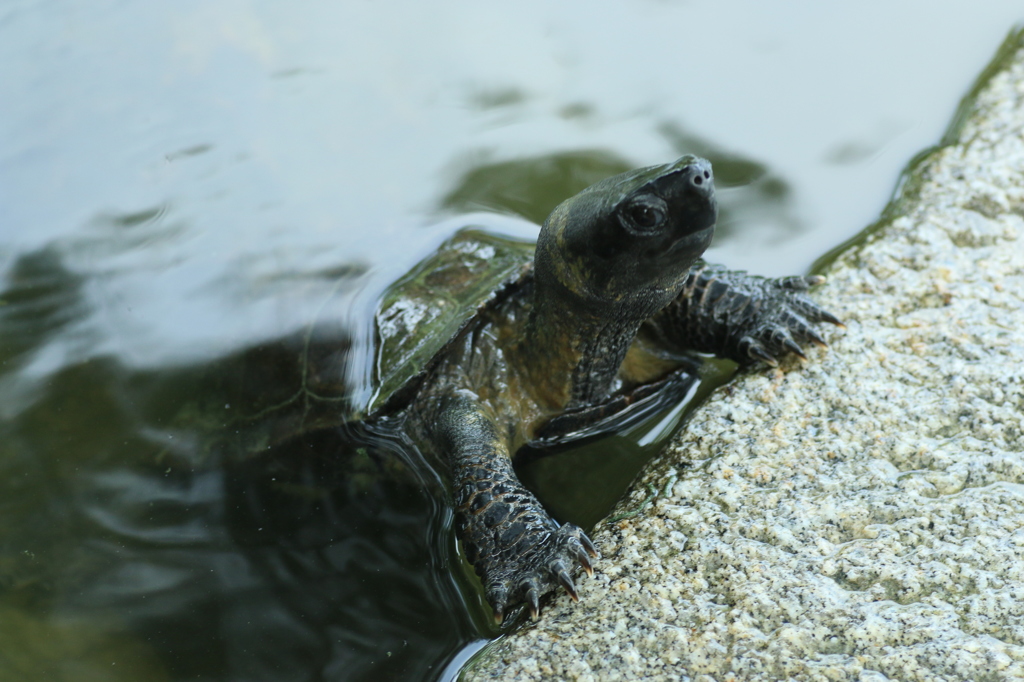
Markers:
(517, 549)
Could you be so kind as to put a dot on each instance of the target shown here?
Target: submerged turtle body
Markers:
(487, 346)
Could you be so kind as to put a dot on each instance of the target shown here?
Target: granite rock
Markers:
(859, 516)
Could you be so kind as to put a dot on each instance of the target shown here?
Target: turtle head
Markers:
(624, 245)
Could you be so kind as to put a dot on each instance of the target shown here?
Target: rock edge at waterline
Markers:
(859, 516)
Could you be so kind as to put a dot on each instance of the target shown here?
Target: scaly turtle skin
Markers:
(521, 352)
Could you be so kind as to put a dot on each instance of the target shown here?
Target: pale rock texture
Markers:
(859, 516)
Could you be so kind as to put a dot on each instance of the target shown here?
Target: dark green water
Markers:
(184, 186)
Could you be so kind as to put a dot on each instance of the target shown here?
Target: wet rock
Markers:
(859, 516)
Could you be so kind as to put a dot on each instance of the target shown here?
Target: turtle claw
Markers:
(589, 547)
(826, 316)
(533, 601)
(497, 597)
(566, 582)
(581, 556)
(789, 344)
(810, 309)
(813, 313)
(802, 329)
(757, 352)
(815, 338)
(800, 283)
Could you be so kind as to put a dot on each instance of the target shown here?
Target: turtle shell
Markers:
(302, 382)
(425, 310)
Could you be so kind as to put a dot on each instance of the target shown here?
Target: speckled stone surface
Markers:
(859, 516)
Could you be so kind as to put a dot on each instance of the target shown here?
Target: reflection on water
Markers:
(359, 556)
(185, 186)
(530, 187)
(136, 526)
(750, 196)
(42, 298)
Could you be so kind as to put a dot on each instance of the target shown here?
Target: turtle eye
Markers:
(645, 216)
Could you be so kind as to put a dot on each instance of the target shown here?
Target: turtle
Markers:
(491, 346)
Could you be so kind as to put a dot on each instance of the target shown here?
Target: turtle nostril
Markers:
(700, 178)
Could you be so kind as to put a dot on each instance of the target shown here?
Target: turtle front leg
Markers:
(742, 317)
(517, 549)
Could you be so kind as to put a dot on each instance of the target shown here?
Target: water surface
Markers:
(184, 186)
